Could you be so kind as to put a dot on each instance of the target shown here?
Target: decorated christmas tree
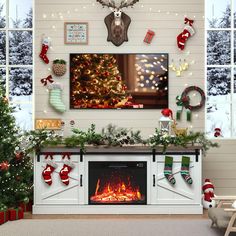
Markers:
(15, 165)
(97, 83)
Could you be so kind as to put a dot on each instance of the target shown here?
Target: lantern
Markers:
(165, 125)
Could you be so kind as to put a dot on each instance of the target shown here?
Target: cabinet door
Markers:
(181, 192)
(57, 192)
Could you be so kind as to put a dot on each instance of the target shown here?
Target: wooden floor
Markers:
(29, 215)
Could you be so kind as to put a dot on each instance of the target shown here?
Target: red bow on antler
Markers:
(188, 21)
(49, 79)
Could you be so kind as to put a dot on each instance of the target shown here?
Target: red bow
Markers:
(188, 21)
(44, 81)
(66, 154)
(49, 154)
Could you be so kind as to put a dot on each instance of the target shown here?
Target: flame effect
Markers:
(116, 193)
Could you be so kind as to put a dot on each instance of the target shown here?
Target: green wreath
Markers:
(186, 100)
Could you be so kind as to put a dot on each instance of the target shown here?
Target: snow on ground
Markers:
(218, 115)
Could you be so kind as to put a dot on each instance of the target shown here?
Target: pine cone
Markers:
(59, 67)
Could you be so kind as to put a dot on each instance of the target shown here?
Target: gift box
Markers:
(16, 214)
(149, 36)
(26, 206)
(3, 216)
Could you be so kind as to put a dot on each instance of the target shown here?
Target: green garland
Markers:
(116, 136)
(59, 61)
(193, 138)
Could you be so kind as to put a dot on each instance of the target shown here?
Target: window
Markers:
(16, 60)
(221, 67)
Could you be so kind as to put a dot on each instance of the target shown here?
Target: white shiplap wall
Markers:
(166, 18)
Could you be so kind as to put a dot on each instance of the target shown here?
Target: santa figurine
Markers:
(208, 194)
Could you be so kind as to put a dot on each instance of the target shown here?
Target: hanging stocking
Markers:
(55, 97)
(185, 170)
(185, 34)
(48, 170)
(45, 46)
(168, 169)
(66, 169)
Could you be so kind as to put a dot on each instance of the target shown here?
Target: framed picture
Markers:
(48, 124)
(76, 33)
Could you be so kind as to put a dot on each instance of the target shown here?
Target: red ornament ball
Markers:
(4, 165)
(19, 156)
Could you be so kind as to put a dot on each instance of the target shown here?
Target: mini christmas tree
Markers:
(15, 165)
(97, 83)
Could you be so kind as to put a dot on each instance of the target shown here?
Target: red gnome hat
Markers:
(167, 113)
(207, 185)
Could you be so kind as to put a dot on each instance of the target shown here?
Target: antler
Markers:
(124, 3)
(111, 3)
(107, 4)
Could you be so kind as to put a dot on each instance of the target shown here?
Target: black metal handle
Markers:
(81, 180)
(154, 180)
(154, 155)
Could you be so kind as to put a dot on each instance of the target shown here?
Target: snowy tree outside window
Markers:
(221, 69)
(16, 60)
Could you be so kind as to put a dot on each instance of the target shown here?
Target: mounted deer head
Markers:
(117, 22)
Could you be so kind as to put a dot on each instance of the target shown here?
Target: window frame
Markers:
(7, 66)
(232, 67)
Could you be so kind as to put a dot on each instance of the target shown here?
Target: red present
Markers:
(26, 206)
(149, 36)
(16, 214)
(4, 216)
(29, 206)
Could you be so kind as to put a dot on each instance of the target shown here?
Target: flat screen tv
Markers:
(119, 81)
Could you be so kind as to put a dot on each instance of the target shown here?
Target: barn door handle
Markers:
(154, 180)
(81, 180)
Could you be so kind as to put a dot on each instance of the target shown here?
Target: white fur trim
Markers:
(46, 40)
(234, 204)
(65, 180)
(190, 29)
(55, 86)
(69, 163)
(51, 163)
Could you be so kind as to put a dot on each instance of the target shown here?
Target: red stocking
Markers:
(45, 46)
(48, 170)
(185, 34)
(66, 169)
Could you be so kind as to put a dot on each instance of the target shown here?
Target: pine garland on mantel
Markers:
(112, 136)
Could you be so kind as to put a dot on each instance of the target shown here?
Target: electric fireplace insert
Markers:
(118, 183)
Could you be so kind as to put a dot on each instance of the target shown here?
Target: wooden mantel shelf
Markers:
(125, 148)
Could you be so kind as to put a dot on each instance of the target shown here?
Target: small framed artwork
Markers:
(48, 124)
(76, 33)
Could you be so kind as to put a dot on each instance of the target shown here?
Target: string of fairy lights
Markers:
(13, 177)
